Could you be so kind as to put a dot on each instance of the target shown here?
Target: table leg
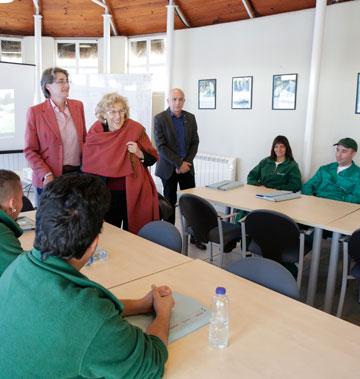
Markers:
(332, 272)
(314, 268)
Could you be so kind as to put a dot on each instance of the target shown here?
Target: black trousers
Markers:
(117, 214)
(185, 181)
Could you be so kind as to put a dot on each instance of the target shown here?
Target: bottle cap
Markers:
(220, 291)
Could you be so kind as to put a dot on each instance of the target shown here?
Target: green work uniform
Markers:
(56, 323)
(343, 186)
(284, 176)
(10, 246)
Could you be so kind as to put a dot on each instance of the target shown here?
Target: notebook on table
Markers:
(187, 316)
(279, 195)
(225, 185)
(26, 223)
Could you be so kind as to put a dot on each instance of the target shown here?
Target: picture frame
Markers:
(241, 92)
(357, 101)
(284, 92)
(207, 94)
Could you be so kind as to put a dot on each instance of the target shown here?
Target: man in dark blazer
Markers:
(177, 142)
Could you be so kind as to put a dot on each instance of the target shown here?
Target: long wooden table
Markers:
(271, 336)
(308, 210)
(129, 257)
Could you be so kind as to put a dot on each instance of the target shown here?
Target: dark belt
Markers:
(67, 169)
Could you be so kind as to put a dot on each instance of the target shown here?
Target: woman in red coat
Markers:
(55, 130)
(118, 149)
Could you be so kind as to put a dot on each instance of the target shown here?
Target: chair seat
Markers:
(232, 234)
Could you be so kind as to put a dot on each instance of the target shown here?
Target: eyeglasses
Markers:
(113, 112)
(62, 82)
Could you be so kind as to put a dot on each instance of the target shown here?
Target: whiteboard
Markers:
(17, 83)
(89, 88)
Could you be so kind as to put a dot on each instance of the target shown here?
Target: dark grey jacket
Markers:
(165, 139)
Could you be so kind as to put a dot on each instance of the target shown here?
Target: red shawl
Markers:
(106, 154)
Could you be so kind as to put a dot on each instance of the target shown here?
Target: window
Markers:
(10, 50)
(78, 57)
(147, 55)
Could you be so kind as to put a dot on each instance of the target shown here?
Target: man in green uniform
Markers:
(339, 180)
(54, 321)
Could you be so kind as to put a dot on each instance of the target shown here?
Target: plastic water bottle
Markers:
(219, 321)
(99, 255)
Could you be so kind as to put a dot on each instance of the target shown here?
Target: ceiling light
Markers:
(6, 1)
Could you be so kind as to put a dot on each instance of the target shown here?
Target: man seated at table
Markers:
(54, 321)
(339, 180)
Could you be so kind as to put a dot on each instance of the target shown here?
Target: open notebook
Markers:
(279, 195)
(187, 316)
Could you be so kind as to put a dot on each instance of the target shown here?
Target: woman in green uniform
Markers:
(279, 170)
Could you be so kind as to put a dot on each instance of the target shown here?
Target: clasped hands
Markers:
(184, 168)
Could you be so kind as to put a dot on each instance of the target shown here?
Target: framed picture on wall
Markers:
(207, 94)
(284, 91)
(357, 105)
(241, 94)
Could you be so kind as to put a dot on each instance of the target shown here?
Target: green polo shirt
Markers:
(56, 323)
(343, 186)
(10, 246)
(285, 176)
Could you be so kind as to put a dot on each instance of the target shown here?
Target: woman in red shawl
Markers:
(118, 149)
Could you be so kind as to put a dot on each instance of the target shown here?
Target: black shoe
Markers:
(197, 243)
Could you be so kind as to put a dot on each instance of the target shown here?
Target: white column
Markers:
(313, 86)
(169, 45)
(106, 45)
(38, 57)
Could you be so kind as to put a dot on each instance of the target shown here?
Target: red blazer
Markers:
(43, 146)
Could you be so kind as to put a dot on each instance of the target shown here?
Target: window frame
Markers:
(77, 43)
(16, 39)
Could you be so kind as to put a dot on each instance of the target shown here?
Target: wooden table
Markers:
(308, 210)
(271, 336)
(129, 257)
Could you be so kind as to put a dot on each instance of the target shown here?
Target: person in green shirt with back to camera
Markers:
(10, 206)
(54, 321)
(279, 170)
(339, 180)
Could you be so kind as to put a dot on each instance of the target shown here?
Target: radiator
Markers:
(13, 161)
(209, 169)
(213, 168)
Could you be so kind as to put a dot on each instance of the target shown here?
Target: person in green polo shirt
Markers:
(339, 180)
(54, 321)
(10, 206)
(279, 170)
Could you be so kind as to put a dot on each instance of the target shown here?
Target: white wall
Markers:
(261, 48)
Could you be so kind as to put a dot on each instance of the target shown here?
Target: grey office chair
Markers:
(267, 273)
(276, 236)
(162, 233)
(201, 218)
(351, 269)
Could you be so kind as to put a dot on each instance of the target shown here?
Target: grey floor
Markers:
(351, 310)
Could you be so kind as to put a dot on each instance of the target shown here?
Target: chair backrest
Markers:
(274, 232)
(199, 214)
(162, 233)
(267, 273)
(27, 205)
(354, 246)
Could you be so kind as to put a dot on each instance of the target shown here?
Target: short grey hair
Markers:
(108, 101)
